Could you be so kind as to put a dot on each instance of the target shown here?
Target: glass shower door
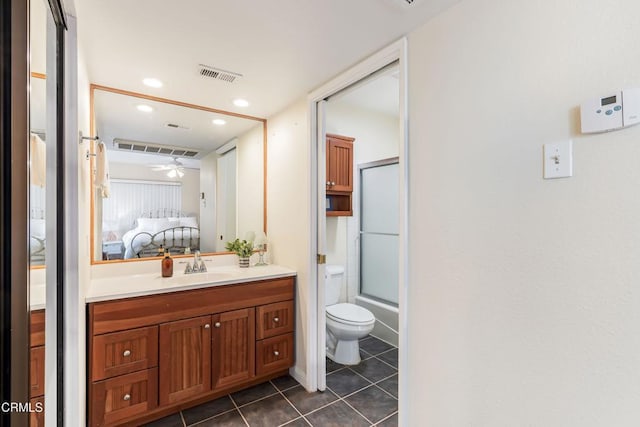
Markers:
(379, 201)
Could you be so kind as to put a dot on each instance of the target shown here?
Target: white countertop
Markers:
(37, 295)
(135, 285)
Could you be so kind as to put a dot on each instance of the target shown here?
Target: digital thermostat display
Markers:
(608, 100)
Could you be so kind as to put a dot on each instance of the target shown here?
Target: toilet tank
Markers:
(333, 283)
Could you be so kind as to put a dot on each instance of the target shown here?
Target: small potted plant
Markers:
(243, 249)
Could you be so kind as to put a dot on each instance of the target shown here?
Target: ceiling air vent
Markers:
(176, 126)
(146, 147)
(218, 74)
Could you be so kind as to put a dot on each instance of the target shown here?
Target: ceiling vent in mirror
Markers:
(176, 126)
(218, 74)
(145, 147)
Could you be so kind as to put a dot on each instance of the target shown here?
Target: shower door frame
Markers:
(359, 210)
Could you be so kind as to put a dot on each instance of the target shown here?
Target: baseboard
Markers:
(301, 376)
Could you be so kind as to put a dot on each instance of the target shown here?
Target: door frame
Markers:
(14, 208)
(316, 366)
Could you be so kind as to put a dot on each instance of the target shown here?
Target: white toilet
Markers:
(346, 323)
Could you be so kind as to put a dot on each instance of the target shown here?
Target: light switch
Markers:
(558, 160)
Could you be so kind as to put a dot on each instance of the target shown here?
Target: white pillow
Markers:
(189, 221)
(38, 228)
(153, 225)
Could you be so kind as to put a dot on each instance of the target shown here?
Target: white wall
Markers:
(77, 273)
(523, 298)
(288, 212)
(376, 137)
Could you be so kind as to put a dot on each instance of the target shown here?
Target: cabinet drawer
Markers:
(37, 328)
(274, 319)
(36, 371)
(125, 396)
(274, 354)
(124, 352)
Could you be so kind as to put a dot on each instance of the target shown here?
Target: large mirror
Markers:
(170, 175)
(38, 135)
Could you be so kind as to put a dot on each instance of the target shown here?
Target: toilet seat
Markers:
(350, 314)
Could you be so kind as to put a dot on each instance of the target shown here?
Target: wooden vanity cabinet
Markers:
(339, 185)
(154, 355)
(36, 367)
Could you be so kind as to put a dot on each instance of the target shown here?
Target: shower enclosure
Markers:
(379, 244)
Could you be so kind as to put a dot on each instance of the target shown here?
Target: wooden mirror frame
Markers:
(92, 88)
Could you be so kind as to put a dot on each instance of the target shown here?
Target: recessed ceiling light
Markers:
(144, 108)
(240, 102)
(152, 82)
(219, 122)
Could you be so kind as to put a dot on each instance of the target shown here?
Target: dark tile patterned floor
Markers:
(363, 395)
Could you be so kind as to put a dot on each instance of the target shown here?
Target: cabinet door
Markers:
(36, 418)
(36, 372)
(233, 347)
(339, 164)
(185, 359)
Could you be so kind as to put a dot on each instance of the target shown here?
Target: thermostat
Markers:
(613, 111)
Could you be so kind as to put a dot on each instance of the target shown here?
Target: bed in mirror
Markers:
(172, 176)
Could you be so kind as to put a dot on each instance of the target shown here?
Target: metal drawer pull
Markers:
(207, 326)
(276, 319)
(126, 353)
(276, 353)
(217, 324)
(126, 397)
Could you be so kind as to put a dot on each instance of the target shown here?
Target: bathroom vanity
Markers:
(186, 341)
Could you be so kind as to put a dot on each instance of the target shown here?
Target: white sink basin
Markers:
(186, 279)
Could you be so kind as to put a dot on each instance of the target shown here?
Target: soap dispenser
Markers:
(167, 265)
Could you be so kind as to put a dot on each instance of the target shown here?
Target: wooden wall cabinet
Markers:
(339, 185)
(154, 355)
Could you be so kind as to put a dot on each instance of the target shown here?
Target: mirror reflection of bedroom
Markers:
(37, 148)
(171, 177)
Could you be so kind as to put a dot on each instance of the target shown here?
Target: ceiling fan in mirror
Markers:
(174, 169)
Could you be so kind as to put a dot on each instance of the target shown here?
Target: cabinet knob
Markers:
(217, 324)
(126, 353)
(333, 183)
(328, 182)
(126, 397)
(207, 326)
(276, 319)
(276, 353)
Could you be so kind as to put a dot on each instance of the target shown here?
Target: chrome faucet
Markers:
(198, 265)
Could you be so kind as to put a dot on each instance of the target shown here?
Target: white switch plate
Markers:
(558, 160)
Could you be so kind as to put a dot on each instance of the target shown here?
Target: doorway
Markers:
(350, 107)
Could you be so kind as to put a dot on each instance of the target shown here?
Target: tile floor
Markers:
(362, 395)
